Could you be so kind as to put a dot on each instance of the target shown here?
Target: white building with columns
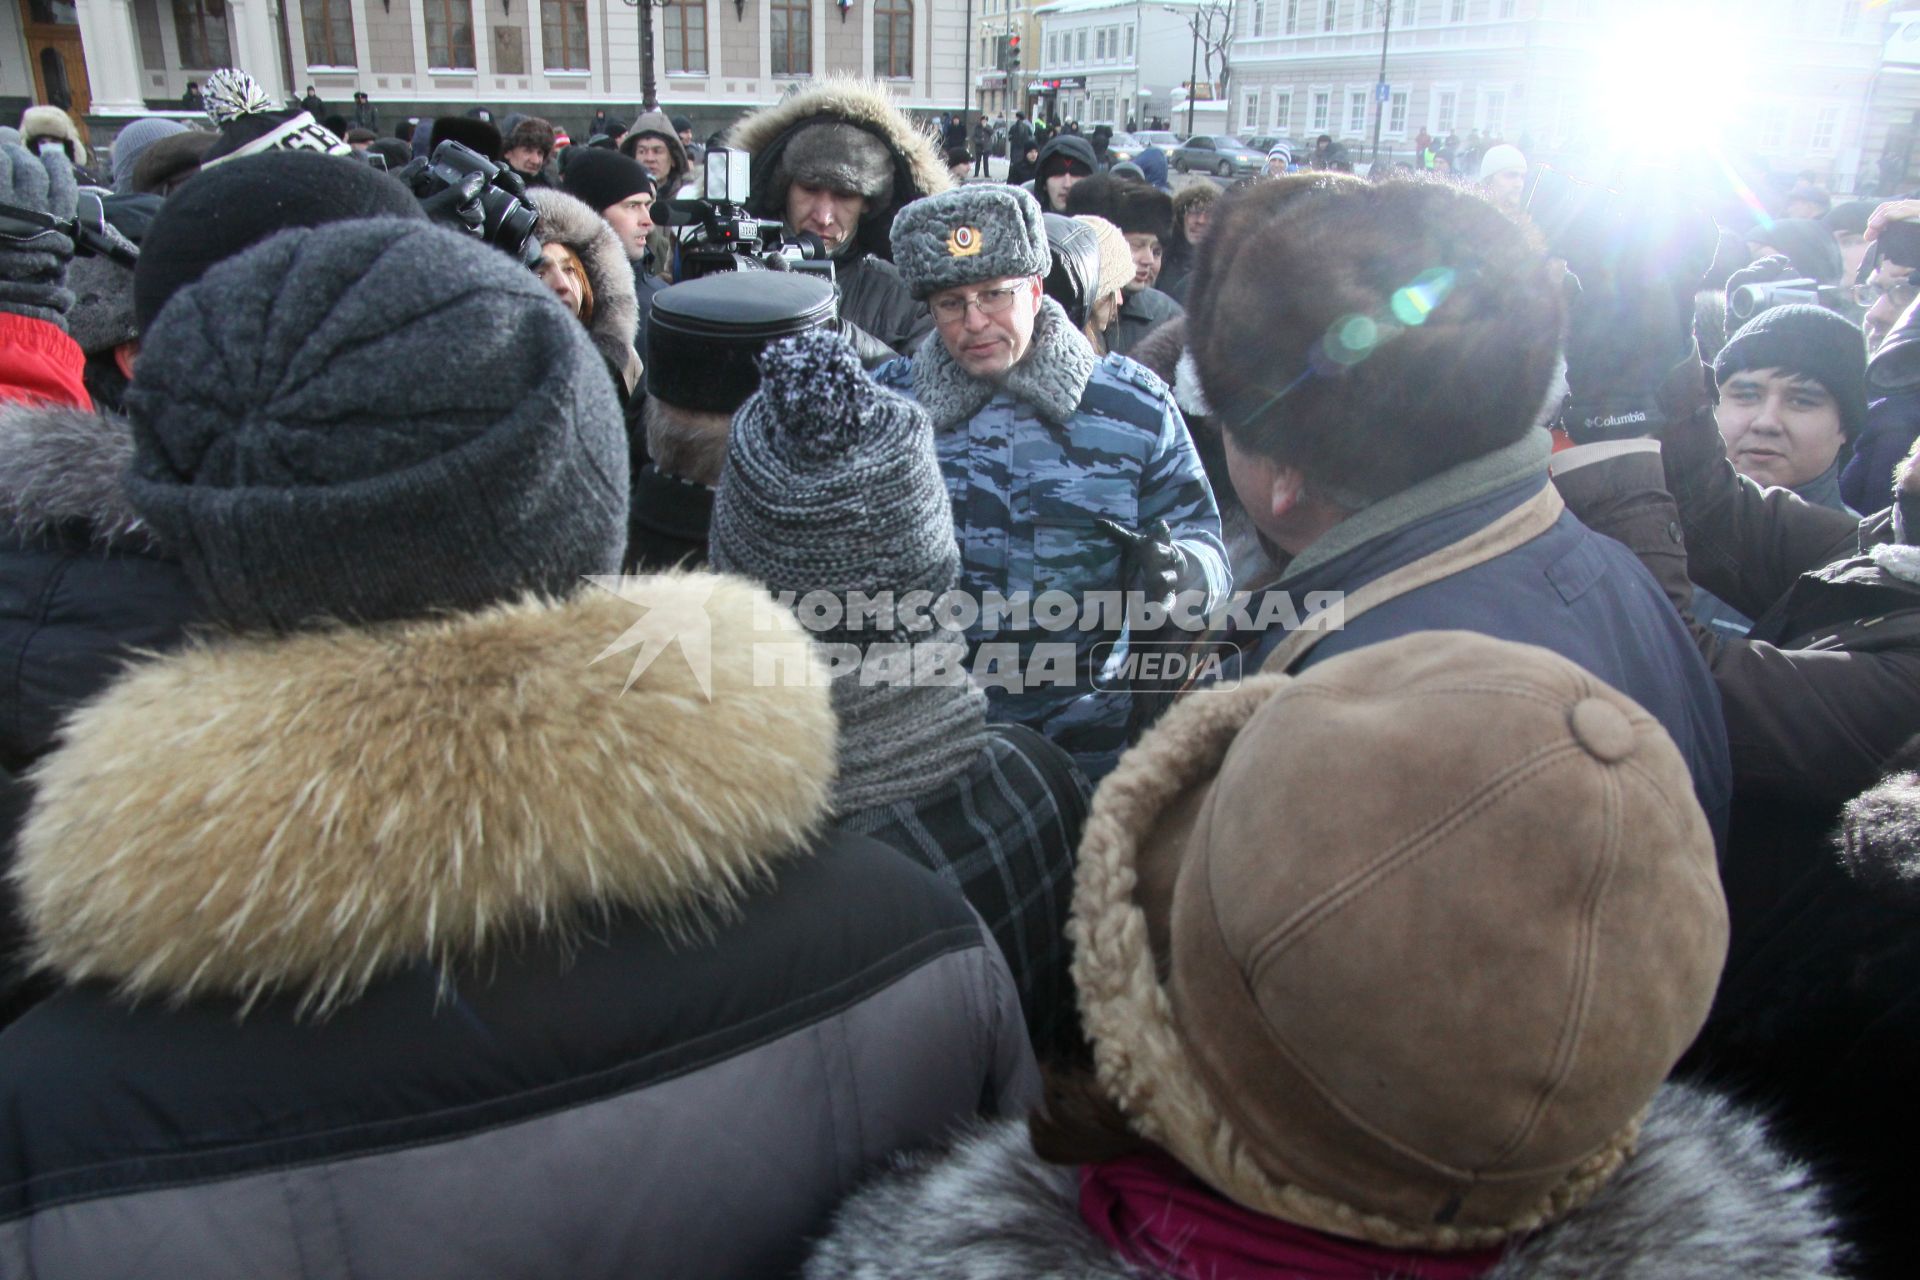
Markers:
(106, 60)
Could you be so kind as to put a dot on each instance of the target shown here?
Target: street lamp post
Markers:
(1380, 89)
(648, 101)
(1193, 73)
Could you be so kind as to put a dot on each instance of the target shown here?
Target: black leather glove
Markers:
(33, 258)
(1151, 559)
(457, 206)
(1639, 258)
(1765, 270)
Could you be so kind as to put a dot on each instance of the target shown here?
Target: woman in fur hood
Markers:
(442, 916)
(840, 160)
(602, 296)
(1347, 1031)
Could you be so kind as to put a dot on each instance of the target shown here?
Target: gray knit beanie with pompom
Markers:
(832, 486)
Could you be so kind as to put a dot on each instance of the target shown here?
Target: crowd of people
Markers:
(907, 725)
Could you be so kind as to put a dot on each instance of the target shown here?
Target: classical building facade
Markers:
(1527, 69)
(559, 58)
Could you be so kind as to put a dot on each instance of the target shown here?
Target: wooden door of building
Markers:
(59, 63)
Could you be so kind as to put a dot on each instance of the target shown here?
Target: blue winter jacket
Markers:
(1570, 590)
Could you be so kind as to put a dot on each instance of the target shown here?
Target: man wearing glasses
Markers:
(1069, 473)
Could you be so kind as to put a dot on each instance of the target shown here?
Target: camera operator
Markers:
(840, 161)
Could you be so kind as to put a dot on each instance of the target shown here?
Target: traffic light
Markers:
(1013, 54)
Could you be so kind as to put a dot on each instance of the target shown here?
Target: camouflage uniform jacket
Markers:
(1030, 463)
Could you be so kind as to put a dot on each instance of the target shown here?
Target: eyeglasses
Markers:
(1903, 294)
(991, 302)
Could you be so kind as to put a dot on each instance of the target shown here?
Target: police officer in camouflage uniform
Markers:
(1069, 472)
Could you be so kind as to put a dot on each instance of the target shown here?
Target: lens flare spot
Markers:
(1412, 305)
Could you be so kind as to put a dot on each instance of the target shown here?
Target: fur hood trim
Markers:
(1708, 1197)
(919, 168)
(1879, 837)
(616, 309)
(1052, 378)
(307, 813)
(60, 465)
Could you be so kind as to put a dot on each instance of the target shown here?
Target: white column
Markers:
(113, 59)
(256, 45)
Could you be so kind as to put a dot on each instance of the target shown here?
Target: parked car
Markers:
(1267, 141)
(1160, 138)
(1217, 154)
(1124, 146)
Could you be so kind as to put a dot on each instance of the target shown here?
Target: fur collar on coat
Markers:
(61, 467)
(306, 813)
(919, 169)
(616, 310)
(1052, 378)
(1707, 1197)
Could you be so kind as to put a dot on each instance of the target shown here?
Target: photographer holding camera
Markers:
(840, 161)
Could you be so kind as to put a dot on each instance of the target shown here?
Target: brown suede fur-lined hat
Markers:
(1399, 949)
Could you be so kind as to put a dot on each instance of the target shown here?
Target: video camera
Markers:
(87, 229)
(497, 211)
(1749, 300)
(716, 233)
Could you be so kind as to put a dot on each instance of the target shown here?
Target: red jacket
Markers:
(38, 361)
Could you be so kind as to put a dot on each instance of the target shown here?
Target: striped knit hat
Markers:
(832, 486)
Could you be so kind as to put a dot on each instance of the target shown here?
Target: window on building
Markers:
(1100, 44)
(1404, 11)
(1250, 116)
(1446, 105)
(1330, 15)
(1129, 43)
(1053, 51)
(449, 34)
(563, 35)
(1773, 126)
(1397, 113)
(329, 30)
(792, 32)
(1496, 112)
(1458, 11)
(200, 27)
(1282, 112)
(1849, 12)
(1080, 47)
(1293, 16)
(1507, 8)
(1826, 127)
(893, 39)
(685, 25)
(1356, 111)
(1322, 105)
(1259, 17)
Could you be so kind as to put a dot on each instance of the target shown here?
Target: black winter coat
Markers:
(592, 1009)
(83, 586)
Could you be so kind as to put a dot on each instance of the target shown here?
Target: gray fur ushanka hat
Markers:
(970, 234)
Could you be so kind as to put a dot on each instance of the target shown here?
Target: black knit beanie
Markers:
(1812, 342)
(303, 441)
(242, 202)
(601, 179)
